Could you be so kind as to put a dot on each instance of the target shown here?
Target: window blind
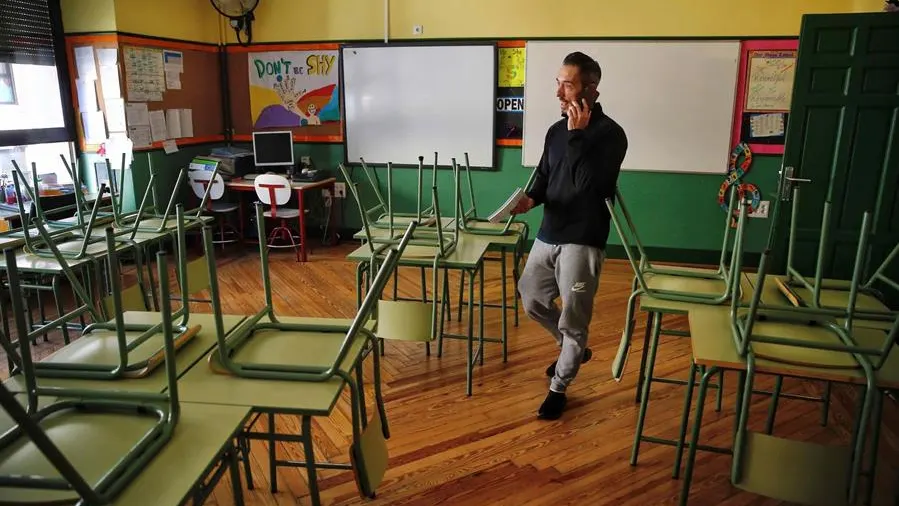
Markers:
(26, 32)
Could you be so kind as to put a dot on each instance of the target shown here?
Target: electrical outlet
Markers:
(306, 160)
(340, 190)
(417, 30)
(762, 211)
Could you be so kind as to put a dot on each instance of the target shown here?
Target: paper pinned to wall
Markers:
(144, 72)
(170, 146)
(173, 60)
(107, 56)
(115, 114)
(187, 122)
(94, 127)
(87, 95)
(140, 136)
(154, 96)
(767, 125)
(137, 114)
(172, 80)
(84, 62)
(173, 123)
(109, 79)
(157, 126)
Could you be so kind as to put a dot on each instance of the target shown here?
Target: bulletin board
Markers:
(764, 93)
(293, 87)
(510, 92)
(158, 93)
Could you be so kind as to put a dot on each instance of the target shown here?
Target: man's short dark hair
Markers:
(588, 67)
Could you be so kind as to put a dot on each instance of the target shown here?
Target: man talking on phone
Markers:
(579, 169)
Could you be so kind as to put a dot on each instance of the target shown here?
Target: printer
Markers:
(231, 162)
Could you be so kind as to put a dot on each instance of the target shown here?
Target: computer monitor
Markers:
(273, 148)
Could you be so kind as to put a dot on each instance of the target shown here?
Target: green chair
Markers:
(832, 295)
(698, 286)
(148, 220)
(56, 447)
(138, 349)
(73, 238)
(408, 320)
(807, 336)
(368, 451)
(379, 214)
(478, 225)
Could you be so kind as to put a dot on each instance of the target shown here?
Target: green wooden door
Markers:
(843, 136)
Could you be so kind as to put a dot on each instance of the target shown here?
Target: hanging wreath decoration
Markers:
(735, 174)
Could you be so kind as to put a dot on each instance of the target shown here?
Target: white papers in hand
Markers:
(505, 210)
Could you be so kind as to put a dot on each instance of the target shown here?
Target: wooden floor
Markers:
(489, 449)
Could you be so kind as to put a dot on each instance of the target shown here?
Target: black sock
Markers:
(552, 406)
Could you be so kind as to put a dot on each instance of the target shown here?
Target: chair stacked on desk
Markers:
(407, 320)
(299, 367)
(58, 449)
(821, 331)
(441, 244)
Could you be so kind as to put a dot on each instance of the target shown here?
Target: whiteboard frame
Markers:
(662, 39)
(423, 43)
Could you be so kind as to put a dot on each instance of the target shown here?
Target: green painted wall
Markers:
(670, 211)
(137, 179)
(677, 215)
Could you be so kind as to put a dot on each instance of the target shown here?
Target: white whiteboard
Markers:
(674, 99)
(406, 101)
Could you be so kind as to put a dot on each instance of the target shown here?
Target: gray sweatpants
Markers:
(572, 271)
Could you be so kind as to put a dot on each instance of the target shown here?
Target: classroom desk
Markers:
(103, 349)
(203, 438)
(301, 187)
(468, 258)
(513, 241)
(300, 398)
(656, 309)
(713, 349)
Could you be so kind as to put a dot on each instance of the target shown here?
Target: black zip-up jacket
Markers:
(577, 172)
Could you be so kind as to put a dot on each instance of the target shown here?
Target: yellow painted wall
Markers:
(193, 20)
(868, 5)
(80, 16)
(307, 20)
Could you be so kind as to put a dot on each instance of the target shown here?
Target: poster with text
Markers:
(510, 93)
(293, 88)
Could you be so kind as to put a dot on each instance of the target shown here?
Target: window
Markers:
(44, 157)
(35, 95)
(7, 85)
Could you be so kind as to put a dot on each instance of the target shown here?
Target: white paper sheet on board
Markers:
(140, 136)
(187, 122)
(84, 63)
(157, 126)
(109, 79)
(173, 123)
(87, 95)
(115, 114)
(137, 114)
(94, 127)
(170, 146)
(107, 56)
